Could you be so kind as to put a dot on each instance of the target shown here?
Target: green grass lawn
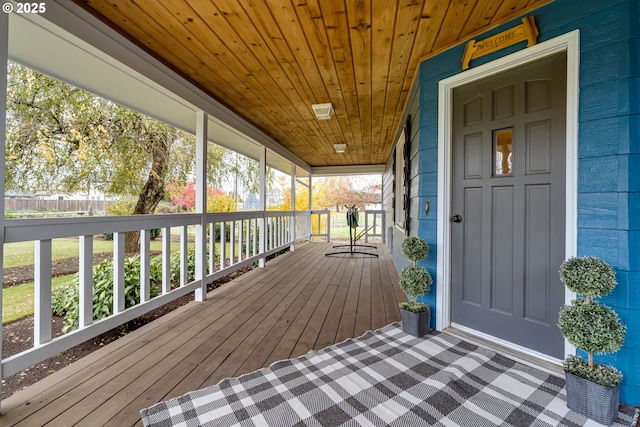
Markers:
(21, 253)
(17, 301)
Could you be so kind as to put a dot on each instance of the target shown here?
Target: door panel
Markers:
(538, 147)
(472, 267)
(502, 237)
(538, 240)
(473, 156)
(508, 187)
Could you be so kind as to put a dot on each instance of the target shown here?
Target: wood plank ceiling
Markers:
(270, 60)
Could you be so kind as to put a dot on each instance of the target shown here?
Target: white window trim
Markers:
(569, 43)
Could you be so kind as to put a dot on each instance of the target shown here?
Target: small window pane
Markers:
(503, 152)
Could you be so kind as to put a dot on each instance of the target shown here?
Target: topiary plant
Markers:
(586, 323)
(415, 280)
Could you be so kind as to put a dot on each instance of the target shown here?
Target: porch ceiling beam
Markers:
(347, 170)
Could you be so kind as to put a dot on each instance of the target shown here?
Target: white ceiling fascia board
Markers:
(36, 45)
(79, 34)
(347, 170)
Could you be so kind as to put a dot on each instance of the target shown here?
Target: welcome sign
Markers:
(525, 31)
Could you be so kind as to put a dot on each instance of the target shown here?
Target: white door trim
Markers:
(569, 43)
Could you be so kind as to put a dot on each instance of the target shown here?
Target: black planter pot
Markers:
(592, 400)
(416, 324)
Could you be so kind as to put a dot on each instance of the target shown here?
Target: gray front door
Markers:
(508, 204)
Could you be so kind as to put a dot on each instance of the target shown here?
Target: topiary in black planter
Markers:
(415, 281)
(592, 389)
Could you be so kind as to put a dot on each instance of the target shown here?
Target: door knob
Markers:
(456, 218)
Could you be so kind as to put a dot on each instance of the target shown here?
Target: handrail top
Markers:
(31, 229)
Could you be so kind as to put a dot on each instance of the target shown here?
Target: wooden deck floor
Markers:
(298, 302)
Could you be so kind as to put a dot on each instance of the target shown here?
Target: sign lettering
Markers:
(525, 31)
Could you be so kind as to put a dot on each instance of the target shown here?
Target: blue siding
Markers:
(608, 150)
(396, 234)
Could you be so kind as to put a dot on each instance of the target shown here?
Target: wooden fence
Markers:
(56, 205)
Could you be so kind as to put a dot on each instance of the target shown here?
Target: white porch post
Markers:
(311, 208)
(4, 57)
(262, 223)
(201, 204)
(383, 226)
(292, 223)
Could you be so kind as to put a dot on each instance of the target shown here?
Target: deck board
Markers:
(300, 301)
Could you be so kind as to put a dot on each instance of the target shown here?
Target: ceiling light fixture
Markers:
(340, 148)
(323, 111)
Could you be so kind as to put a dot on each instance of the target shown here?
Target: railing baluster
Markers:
(291, 232)
(274, 231)
(232, 239)
(200, 258)
(118, 272)
(223, 244)
(240, 237)
(86, 280)
(286, 224)
(254, 221)
(42, 292)
(247, 240)
(262, 244)
(166, 260)
(366, 227)
(184, 255)
(212, 247)
(145, 266)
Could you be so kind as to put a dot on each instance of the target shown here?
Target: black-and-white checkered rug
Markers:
(383, 378)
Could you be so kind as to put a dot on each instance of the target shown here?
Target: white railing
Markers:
(321, 224)
(374, 224)
(251, 237)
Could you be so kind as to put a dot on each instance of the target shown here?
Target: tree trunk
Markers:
(153, 191)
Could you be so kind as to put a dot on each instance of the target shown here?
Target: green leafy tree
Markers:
(219, 201)
(62, 139)
(341, 191)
